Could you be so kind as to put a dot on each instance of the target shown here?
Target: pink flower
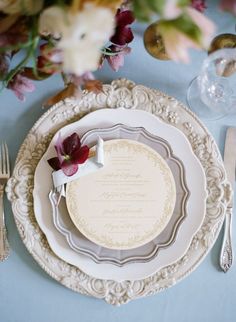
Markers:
(177, 45)
(177, 42)
(20, 84)
(171, 10)
(199, 5)
(123, 33)
(229, 5)
(205, 25)
(117, 61)
(70, 153)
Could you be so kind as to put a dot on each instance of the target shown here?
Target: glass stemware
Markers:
(212, 94)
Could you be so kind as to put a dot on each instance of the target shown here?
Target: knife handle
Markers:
(226, 255)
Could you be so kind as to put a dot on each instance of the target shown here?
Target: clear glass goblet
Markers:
(212, 94)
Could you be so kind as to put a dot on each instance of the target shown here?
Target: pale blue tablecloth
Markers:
(28, 294)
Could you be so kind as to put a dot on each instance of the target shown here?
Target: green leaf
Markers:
(141, 10)
(188, 27)
(156, 5)
(184, 24)
(184, 3)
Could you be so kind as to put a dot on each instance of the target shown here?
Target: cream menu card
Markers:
(128, 202)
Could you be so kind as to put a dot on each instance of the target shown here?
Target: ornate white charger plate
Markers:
(121, 93)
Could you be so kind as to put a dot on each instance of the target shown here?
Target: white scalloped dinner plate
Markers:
(195, 179)
(84, 246)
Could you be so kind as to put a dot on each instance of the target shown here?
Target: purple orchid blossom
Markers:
(117, 60)
(20, 84)
(123, 33)
(199, 5)
(70, 154)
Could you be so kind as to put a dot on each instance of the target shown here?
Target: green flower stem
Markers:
(31, 49)
(64, 79)
(107, 52)
(34, 47)
(14, 71)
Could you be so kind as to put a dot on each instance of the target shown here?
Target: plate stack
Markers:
(144, 220)
(124, 221)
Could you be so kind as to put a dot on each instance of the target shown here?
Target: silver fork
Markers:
(4, 176)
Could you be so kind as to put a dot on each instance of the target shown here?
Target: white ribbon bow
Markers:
(91, 165)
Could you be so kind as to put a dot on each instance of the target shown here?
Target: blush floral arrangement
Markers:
(77, 37)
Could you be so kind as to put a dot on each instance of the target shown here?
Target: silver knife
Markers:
(226, 255)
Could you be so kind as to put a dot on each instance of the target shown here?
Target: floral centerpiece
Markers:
(77, 37)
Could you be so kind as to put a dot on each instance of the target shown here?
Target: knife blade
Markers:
(226, 255)
(230, 158)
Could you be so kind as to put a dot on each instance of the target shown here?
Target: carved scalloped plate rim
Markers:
(119, 293)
